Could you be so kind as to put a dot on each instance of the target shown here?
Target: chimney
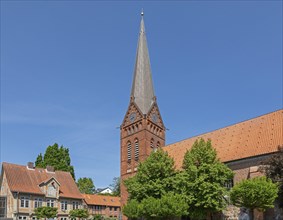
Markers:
(49, 168)
(30, 165)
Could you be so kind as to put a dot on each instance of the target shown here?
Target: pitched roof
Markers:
(102, 200)
(22, 179)
(142, 87)
(257, 136)
(98, 190)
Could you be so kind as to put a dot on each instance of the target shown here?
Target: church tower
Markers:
(142, 130)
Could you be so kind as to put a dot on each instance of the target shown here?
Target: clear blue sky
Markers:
(67, 66)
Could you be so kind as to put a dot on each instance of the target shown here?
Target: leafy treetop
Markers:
(45, 212)
(86, 185)
(257, 193)
(115, 186)
(150, 180)
(203, 180)
(56, 156)
(170, 205)
(151, 191)
(273, 168)
(78, 213)
(197, 190)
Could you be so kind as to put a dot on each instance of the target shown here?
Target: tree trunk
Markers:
(252, 214)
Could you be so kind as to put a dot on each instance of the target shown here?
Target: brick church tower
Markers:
(142, 130)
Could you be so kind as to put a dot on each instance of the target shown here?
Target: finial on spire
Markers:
(142, 12)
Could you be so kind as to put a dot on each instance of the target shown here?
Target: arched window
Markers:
(137, 149)
(129, 150)
(151, 143)
(158, 144)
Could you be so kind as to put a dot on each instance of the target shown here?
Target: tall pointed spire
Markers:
(142, 88)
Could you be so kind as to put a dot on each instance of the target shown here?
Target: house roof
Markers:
(98, 190)
(257, 136)
(25, 180)
(102, 200)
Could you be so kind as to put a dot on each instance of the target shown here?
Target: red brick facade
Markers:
(142, 132)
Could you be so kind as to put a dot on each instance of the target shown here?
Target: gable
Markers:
(49, 180)
(257, 136)
(155, 117)
(133, 114)
(50, 187)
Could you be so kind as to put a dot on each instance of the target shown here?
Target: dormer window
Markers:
(51, 190)
(50, 187)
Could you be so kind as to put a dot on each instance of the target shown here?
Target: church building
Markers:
(241, 146)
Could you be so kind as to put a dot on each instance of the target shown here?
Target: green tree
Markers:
(169, 206)
(273, 169)
(151, 192)
(39, 161)
(158, 191)
(132, 209)
(45, 212)
(56, 156)
(203, 180)
(257, 193)
(78, 213)
(115, 186)
(150, 179)
(97, 217)
(86, 185)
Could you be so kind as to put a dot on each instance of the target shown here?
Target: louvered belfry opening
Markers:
(137, 149)
(129, 151)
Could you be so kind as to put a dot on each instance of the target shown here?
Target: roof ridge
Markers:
(100, 195)
(201, 134)
(36, 168)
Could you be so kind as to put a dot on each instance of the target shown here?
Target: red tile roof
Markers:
(22, 179)
(257, 136)
(102, 200)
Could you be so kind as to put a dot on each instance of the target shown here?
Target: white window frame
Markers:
(64, 205)
(24, 202)
(75, 205)
(38, 202)
(50, 202)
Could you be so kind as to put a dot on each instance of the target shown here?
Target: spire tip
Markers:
(142, 12)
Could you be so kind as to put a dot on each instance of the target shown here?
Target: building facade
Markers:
(242, 146)
(106, 206)
(106, 190)
(24, 188)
